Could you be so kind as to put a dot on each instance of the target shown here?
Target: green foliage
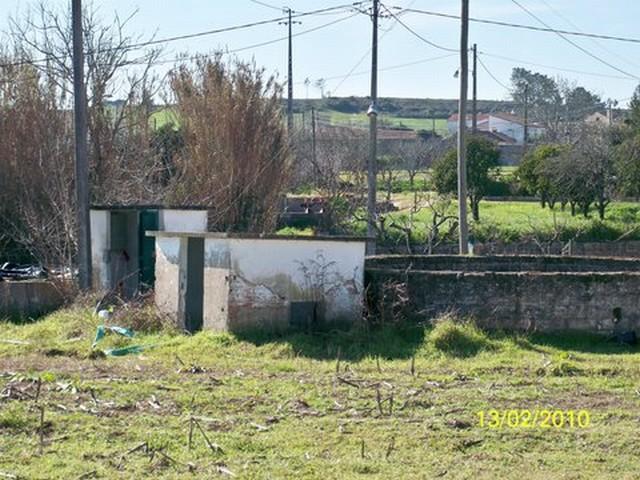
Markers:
(482, 158)
(458, 338)
(296, 232)
(532, 175)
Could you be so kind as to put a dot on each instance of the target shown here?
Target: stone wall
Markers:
(511, 297)
(29, 298)
(621, 249)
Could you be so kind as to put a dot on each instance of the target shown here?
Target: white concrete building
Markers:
(501, 123)
(228, 282)
(121, 256)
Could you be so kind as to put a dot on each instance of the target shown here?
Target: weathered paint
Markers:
(104, 252)
(270, 273)
(167, 288)
(100, 235)
(250, 283)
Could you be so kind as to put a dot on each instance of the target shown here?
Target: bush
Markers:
(458, 338)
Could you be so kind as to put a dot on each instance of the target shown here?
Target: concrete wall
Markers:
(100, 235)
(251, 283)
(182, 220)
(167, 288)
(520, 300)
(269, 274)
(29, 298)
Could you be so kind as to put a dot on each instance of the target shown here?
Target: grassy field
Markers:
(285, 407)
(512, 221)
(339, 118)
(165, 115)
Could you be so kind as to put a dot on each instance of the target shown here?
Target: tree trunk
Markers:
(601, 209)
(573, 209)
(475, 208)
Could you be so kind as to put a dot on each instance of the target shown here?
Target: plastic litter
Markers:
(13, 271)
(103, 329)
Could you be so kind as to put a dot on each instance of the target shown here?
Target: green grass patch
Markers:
(367, 403)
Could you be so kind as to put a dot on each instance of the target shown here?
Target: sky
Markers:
(334, 51)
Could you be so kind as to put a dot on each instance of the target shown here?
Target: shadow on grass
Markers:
(387, 342)
(17, 318)
(451, 339)
(577, 341)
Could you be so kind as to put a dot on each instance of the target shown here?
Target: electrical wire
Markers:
(495, 79)
(551, 67)
(569, 22)
(260, 44)
(366, 54)
(264, 4)
(519, 25)
(416, 34)
(137, 46)
(391, 67)
(571, 42)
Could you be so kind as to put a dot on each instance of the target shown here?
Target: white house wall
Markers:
(268, 274)
(100, 235)
(183, 220)
(167, 287)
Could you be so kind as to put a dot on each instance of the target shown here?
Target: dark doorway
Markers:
(147, 259)
(194, 295)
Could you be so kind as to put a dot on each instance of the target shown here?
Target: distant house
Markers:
(597, 118)
(508, 127)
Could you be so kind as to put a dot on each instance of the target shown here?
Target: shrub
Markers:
(458, 338)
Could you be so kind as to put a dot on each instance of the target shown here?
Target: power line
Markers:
(262, 44)
(391, 67)
(264, 4)
(136, 46)
(571, 42)
(237, 27)
(416, 34)
(560, 69)
(572, 24)
(366, 54)
(519, 25)
(495, 79)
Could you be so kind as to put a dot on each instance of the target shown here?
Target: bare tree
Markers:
(36, 149)
(237, 156)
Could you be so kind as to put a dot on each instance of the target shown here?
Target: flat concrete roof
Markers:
(150, 207)
(256, 236)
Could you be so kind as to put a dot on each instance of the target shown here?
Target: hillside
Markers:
(425, 108)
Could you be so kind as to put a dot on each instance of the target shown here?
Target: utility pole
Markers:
(372, 169)
(313, 135)
(526, 115)
(462, 127)
(474, 119)
(290, 23)
(82, 163)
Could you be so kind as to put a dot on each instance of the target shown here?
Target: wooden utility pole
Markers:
(526, 116)
(474, 105)
(462, 127)
(290, 23)
(313, 135)
(82, 163)
(372, 169)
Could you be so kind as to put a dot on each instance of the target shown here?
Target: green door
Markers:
(148, 221)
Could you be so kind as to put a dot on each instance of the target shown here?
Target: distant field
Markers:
(511, 221)
(163, 116)
(166, 115)
(339, 118)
